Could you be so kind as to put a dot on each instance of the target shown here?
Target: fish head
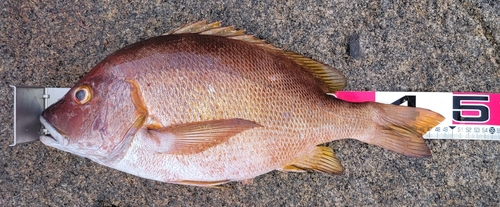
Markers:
(93, 118)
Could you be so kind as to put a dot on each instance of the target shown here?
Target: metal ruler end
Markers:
(29, 102)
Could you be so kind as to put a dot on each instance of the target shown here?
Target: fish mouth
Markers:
(55, 138)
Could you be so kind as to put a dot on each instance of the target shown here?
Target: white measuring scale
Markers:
(468, 115)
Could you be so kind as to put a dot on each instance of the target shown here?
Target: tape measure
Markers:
(467, 115)
(474, 116)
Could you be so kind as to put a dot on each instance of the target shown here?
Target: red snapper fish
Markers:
(205, 105)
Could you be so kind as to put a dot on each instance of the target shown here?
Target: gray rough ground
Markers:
(446, 45)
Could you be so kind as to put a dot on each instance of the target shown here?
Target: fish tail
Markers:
(400, 129)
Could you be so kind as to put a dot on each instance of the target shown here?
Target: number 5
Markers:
(459, 107)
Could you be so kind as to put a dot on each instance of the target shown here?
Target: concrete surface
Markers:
(445, 45)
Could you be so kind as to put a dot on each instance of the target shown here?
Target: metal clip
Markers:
(29, 102)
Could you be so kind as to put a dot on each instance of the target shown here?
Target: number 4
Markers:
(411, 100)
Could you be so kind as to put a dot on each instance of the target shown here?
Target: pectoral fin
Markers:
(198, 136)
(321, 159)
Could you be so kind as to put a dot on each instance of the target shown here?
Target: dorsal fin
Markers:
(333, 78)
(196, 27)
(214, 28)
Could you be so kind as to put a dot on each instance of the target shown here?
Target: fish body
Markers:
(204, 105)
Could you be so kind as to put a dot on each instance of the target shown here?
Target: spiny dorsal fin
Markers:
(196, 27)
(214, 28)
(333, 78)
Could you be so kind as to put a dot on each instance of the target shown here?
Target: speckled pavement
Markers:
(448, 45)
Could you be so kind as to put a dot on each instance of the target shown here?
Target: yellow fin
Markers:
(333, 78)
(214, 28)
(321, 159)
(196, 27)
(224, 31)
(291, 168)
(198, 136)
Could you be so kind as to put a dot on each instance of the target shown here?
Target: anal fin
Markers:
(321, 159)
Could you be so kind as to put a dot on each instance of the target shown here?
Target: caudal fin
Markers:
(400, 129)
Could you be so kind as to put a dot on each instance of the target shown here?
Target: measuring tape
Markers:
(473, 116)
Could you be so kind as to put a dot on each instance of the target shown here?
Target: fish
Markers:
(206, 104)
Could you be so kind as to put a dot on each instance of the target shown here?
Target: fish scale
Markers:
(252, 93)
(241, 95)
(204, 105)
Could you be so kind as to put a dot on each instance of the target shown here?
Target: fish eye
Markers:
(82, 94)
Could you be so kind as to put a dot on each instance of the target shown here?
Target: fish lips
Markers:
(55, 138)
